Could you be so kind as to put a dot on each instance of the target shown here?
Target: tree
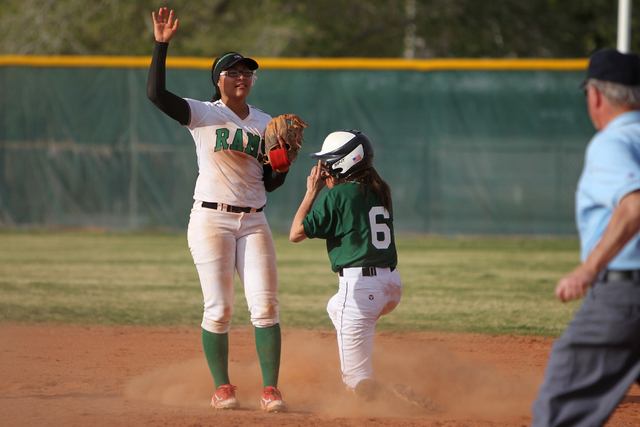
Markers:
(75, 27)
(516, 28)
(311, 28)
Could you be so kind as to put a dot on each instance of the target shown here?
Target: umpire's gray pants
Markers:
(595, 361)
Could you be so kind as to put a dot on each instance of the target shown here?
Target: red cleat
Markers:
(225, 397)
(271, 401)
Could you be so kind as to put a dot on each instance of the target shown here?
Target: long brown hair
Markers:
(375, 183)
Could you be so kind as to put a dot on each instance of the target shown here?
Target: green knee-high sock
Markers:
(268, 343)
(216, 350)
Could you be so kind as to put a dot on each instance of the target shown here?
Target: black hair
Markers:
(374, 182)
(217, 95)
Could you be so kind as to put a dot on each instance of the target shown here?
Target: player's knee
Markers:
(216, 327)
(265, 323)
(264, 316)
(265, 312)
(217, 319)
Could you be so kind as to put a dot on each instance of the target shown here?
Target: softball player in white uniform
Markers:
(356, 219)
(228, 230)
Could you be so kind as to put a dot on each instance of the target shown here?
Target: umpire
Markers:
(597, 359)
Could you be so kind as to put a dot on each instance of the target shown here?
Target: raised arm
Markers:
(315, 183)
(164, 28)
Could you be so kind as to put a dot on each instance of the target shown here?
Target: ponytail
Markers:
(375, 183)
(214, 78)
(216, 96)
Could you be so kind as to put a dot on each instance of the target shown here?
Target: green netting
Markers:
(464, 151)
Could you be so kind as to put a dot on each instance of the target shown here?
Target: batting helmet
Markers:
(345, 152)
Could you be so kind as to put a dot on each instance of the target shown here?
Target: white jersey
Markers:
(230, 154)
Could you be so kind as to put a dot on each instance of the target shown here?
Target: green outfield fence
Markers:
(468, 146)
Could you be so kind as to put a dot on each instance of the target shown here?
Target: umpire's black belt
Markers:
(619, 276)
(228, 208)
(366, 271)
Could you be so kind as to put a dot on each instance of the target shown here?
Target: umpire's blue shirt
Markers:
(611, 171)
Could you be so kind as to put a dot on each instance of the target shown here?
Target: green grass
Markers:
(485, 285)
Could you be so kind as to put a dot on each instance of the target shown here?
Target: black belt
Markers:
(366, 271)
(229, 208)
(619, 276)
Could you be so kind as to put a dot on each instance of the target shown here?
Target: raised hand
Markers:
(164, 27)
(316, 180)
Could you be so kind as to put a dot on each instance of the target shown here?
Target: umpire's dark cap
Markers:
(613, 66)
(228, 60)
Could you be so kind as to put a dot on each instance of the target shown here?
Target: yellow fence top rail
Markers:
(303, 63)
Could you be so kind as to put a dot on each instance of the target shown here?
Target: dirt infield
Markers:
(52, 375)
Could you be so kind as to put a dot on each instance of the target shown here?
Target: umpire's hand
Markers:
(576, 284)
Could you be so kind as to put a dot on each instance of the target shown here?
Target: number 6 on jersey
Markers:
(380, 231)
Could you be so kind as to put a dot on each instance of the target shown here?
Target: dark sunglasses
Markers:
(236, 73)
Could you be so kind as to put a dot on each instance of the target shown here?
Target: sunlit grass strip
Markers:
(465, 284)
(442, 64)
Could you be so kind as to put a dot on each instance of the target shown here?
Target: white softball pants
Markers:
(354, 310)
(223, 242)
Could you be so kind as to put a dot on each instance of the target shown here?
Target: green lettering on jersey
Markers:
(237, 141)
(262, 151)
(253, 146)
(221, 139)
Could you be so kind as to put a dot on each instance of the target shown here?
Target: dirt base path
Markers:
(71, 375)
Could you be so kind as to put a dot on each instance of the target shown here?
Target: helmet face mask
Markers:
(345, 152)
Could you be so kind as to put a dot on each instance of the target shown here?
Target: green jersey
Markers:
(358, 229)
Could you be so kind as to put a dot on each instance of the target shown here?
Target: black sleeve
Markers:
(272, 179)
(172, 105)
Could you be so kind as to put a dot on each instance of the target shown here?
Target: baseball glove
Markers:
(291, 128)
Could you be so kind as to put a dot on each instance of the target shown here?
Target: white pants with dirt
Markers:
(223, 242)
(354, 310)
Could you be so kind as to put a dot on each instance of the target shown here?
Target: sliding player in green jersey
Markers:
(356, 218)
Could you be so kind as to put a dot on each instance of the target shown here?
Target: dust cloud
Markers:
(310, 381)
